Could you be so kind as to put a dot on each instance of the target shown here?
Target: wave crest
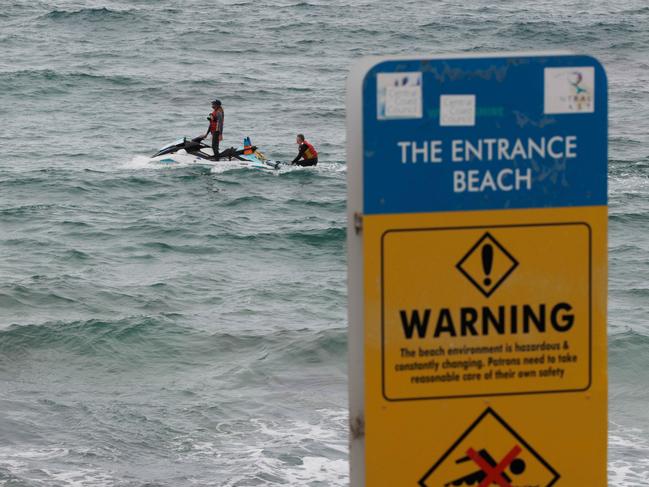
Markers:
(90, 14)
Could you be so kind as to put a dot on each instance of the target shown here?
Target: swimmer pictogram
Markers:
(490, 472)
(490, 453)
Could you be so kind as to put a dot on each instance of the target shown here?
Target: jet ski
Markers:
(195, 151)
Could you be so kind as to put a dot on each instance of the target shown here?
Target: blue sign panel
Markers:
(484, 133)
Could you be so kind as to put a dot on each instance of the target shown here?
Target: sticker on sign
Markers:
(399, 95)
(457, 110)
(569, 90)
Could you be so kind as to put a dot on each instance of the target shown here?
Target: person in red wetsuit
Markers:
(216, 126)
(307, 156)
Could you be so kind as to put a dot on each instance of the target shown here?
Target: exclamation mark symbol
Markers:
(487, 262)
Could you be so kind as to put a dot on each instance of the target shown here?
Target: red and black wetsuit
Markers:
(308, 152)
(216, 129)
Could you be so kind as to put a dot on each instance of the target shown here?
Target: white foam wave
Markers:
(331, 167)
(146, 162)
(628, 184)
(628, 457)
(27, 465)
(140, 162)
(82, 478)
(319, 470)
(291, 452)
(225, 165)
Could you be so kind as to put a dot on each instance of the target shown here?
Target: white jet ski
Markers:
(195, 151)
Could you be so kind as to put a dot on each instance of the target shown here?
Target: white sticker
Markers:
(457, 110)
(569, 90)
(399, 95)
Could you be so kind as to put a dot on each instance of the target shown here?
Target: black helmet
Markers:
(217, 103)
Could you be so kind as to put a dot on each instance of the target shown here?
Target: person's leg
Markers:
(307, 162)
(215, 145)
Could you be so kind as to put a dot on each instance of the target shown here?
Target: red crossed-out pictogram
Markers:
(494, 474)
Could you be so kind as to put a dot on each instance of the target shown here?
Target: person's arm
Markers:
(300, 154)
(219, 122)
(209, 117)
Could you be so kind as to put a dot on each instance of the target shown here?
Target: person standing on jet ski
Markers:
(216, 126)
(307, 153)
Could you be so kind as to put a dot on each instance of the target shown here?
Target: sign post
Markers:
(477, 249)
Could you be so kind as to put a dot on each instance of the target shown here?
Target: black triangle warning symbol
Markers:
(490, 453)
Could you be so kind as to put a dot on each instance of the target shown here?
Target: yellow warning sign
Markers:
(485, 348)
(490, 452)
(504, 329)
(477, 257)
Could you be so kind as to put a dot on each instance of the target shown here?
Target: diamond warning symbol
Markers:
(487, 264)
(490, 453)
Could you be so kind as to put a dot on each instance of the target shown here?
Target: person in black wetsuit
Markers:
(215, 127)
(307, 156)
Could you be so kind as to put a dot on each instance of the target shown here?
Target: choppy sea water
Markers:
(165, 326)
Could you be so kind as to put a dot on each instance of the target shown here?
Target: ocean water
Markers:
(172, 325)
